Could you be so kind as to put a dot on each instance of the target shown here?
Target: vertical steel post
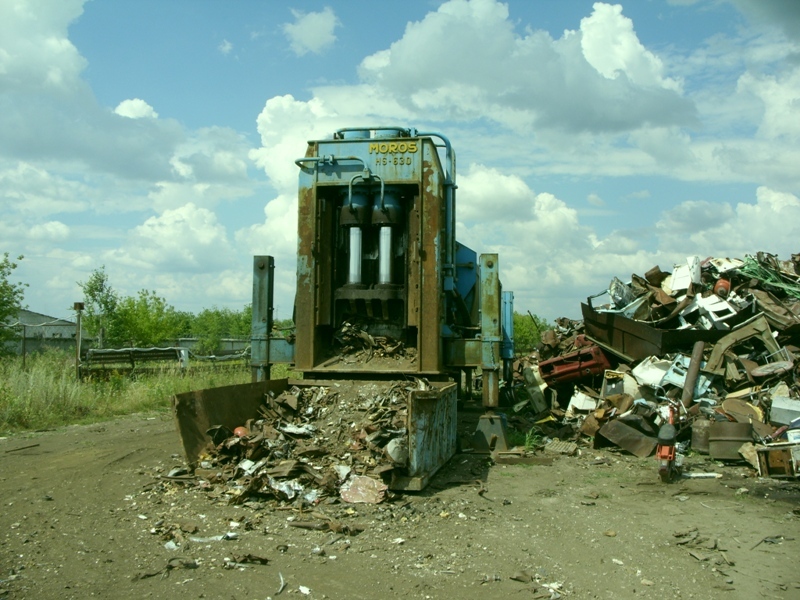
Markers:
(263, 290)
(491, 432)
(491, 335)
(507, 347)
(78, 307)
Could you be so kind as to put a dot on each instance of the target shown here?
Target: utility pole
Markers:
(78, 307)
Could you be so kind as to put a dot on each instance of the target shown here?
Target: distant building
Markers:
(37, 331)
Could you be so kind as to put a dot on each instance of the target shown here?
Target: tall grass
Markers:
(46, 394)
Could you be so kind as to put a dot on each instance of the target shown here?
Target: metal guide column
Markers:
(263, 289)
(491, 332)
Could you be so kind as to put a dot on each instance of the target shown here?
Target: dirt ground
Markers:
(84, 509)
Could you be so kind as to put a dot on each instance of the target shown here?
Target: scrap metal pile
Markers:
(309, 443)
(354, 341)
(718, 337)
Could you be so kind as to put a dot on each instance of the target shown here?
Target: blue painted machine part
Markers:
(507, 347)
(355, 134)
(388, 133)
(358, 200)
(466, 272)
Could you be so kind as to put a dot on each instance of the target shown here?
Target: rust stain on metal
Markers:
(430, 355)
(414, 273)
(306, 267)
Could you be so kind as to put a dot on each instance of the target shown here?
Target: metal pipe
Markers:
(691, 374)
(78, 341)
(327, 159)
(363, 178)
(405, 131)
(385, 255)
(354, 272)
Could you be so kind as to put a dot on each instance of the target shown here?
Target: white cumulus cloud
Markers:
(225, 47)
(312, 32)
(573, 83)
(185, 239)
(53, 231)
(610, 45)
(135, 108)
(771, 224)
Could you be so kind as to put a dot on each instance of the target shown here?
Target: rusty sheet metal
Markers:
(306, 281)
(414, 268)
(779, 460)
(575, 365)
(757, 327)
(432, 434)
(197, 411)
(322, 252)
(634, 340)
(431, 257)
(627, 438)
(779, 315)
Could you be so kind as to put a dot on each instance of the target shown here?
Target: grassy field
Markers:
(46, 394)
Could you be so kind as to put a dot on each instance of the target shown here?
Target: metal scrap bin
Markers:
(431, 425)
(229, 406)
(432, 435)
(634, 340)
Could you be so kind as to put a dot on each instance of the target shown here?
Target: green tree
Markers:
(184, 323)
(212, 325)
(11, 297)
(528, 331)
(143, 320)
(147, 320)
(100, 319)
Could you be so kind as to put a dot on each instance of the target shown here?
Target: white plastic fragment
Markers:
(397, 450)
(342, 471)
(231, 535)
(304, 429)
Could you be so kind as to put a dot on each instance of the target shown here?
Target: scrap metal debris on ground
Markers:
(719, 336)
(715, 337)
(309, 443)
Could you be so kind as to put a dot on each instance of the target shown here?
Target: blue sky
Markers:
(594, 139)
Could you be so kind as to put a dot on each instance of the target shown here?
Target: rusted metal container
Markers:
(779, 460)
(432, 434)
(634, 340)
(725, 438)
(431, 423)
(197, 411)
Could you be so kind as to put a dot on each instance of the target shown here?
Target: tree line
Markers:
(147, 320)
